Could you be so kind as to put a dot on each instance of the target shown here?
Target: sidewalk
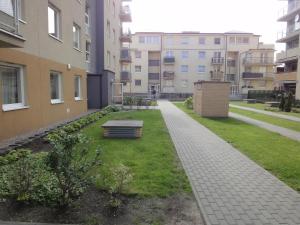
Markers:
(282, 116)
(230, 188)
(273, 128)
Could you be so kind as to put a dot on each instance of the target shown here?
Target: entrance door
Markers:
(94, 91)
(154, 90)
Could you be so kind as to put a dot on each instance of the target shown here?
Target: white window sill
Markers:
(56, 101)
(22, 21)
(7, 108)
(77, 49)
(56, 38)
(78, 99)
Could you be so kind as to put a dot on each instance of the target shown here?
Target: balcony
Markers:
(289, 33)
(289, 11)
(126, 36)
(9, 26)
(216, 76)
(153, 78)
(169, 60)
(249, 75)
(258, 61)
(125, 14)
(287, 55)
(217, 60)
(125, 76)
(168, 75)
(125, 56)
(286, 76)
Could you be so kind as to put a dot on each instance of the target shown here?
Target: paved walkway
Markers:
(230, 188)
(277, 129)
(282, 116)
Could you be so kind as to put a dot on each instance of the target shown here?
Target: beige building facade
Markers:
(288, 73)
(42, 64)
(170, 63)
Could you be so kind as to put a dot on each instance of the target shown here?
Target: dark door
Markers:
(94, 91)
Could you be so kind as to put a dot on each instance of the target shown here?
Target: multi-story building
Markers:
(288, 74)
(170, 63)
(103, 47)
(42, 64)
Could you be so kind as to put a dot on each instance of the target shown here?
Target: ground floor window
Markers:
(56, 87)
(12, 86)
(138, 82)
(77, 87)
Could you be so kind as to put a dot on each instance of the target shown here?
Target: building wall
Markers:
(40, 55)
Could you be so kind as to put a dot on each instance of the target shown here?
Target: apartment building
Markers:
(42, 64)
(170, 63)
(103, 48)
(288, 74)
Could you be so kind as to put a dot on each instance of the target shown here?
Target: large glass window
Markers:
(53, 21)
(76, 36)
(56, 87)
(201, 69)
(184, 68)
(77, 87)
(87, 51)
(12, 83)
(7, 7)
(201, 54)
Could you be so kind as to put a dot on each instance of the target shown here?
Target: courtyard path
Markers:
(277, 129)
(282, 116)
(230, 188)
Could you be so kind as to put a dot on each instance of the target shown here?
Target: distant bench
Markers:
(250, 101)
(123, 129)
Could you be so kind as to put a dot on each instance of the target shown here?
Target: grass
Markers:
(152, 159)
(277, 154)
(268, 119)
(261, 106)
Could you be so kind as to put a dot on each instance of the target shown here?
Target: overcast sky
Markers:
(256, 16)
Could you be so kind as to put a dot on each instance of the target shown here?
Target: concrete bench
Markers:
(273, 104)
(250, 101)
(123, 129)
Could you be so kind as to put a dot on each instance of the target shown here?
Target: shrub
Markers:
(70, 166)
(129, 100)
(282, 102)
(189, 103)
(288, 102)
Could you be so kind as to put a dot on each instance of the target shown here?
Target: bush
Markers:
(288, 103)
(129, 100)
(189, 103)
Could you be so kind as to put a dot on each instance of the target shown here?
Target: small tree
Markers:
(288, 102)
(282, 101)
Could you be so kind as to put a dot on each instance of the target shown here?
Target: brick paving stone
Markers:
(233, 188)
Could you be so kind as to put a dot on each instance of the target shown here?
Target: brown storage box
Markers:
(211, 98)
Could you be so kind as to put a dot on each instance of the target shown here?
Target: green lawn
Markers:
(152, 159)
(263, 107)
(268, 119)
(279, 155)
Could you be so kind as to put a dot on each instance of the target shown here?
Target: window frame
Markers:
(75, 25)
(79, 97)
(184, 66)
(87, 51)
(184, 54)
(22, 104)
(202, 55)
(138, 54)
(60, 88)
(138, 66)
(217, 42)
(202, 42)
(202, 71)
(57, 21)
(138, 80)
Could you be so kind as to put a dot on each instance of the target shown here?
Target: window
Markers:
(56, 87)
(138, 54)
(114, 36)
(169, 41)
(201, 55)
(201, 69)
(242, 40)
(184, 54)
(154, 62)
(232, 40)
(76, 36)
(149, 39)
(87, 19)
(231, 63)
(184, 40)
(108, 29)
(54, 21)
(77, 86)
(169, 54)
(108, 58)
(153, 76)
(184, 68)
(87, 51)
(137, 82)
(217, 41)
(21, 10)
(13, 90)
(202, 40)
(7, 7)
(138, 69)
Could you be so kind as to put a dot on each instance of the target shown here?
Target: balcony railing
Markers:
(258, 61)
(9, 21)
(125, 76)
(290, 8)
(169, 60)
(125, 14)
(286, 76)
(125, 55)
(290, 29)
(217, 60)
(126, 36)
(168, 75)
(250, 75)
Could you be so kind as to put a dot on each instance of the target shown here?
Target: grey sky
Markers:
(257, 16)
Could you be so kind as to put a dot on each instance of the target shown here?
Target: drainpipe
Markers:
(226, 48)
(239, 68)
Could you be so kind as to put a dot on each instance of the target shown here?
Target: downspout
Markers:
(226, 48)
